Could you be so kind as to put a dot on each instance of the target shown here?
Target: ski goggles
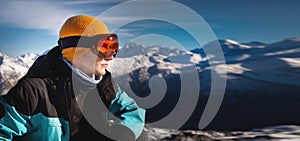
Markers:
(102, 45)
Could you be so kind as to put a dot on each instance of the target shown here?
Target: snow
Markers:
(232, 68)
(293, 62)
(135, 56)
(269, 70)
(273, 63)
(13, 68)
(282, 52)
(27, 59)
(155, 134)
(278, 133)
(229, 41)
(231, 44)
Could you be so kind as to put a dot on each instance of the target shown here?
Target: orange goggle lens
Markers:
(103, 45)
(107, 46)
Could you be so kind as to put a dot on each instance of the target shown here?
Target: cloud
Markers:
(50, 16)
(34, 15)
(126, 33)
(80, 2)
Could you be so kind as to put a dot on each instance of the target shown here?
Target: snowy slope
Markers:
(262, 85)
(274, 63)
(168, 60)
(270, 133)
(277, 63)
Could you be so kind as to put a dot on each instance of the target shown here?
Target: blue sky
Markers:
(33, 26)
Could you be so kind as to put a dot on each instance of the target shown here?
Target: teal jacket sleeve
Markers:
(12, 123)
(13, 108)
(129, 113)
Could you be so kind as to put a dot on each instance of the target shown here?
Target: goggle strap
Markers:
(76, 41)
(82, 41)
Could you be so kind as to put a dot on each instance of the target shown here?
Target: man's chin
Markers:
(100, 73)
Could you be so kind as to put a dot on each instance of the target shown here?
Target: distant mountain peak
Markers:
(281, 45)
(232, 44)
(255, 44)
(230, 41)
(293, 39)
(13, 68)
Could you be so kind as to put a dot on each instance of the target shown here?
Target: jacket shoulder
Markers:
(25, 94)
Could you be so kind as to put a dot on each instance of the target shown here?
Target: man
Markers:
(68, 94)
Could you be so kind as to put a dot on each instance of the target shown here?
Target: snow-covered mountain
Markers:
(270, 133)
(13, 68)
(141, 62)
(261, 88)
(256, 63)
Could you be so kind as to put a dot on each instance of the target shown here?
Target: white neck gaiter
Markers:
(82, 77)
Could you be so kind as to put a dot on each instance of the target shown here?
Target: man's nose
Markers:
(108, 58)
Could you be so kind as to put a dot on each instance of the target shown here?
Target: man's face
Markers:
(90, 63)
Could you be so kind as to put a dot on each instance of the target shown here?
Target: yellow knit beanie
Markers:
(80, 25)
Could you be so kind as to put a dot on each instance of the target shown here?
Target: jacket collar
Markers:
(50, 64)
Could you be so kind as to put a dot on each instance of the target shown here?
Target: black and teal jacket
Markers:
(42, 106)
